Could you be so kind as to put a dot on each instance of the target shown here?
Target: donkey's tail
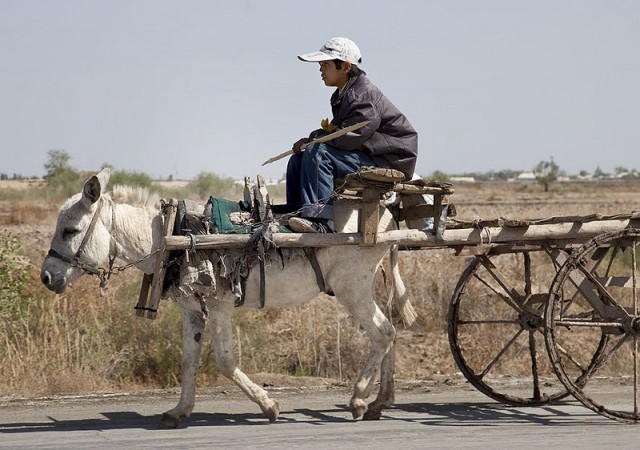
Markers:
(401, 302)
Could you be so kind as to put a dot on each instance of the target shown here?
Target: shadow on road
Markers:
(123, 420)
(493, 414)
(434, 414)
(112, 420)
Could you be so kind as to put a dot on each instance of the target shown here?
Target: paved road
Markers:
(426, 416)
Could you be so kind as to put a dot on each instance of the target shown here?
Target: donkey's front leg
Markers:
(192, 328)
(223, 346)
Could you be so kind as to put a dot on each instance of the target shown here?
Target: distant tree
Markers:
(206, 184)
(546, 172)
(57, 162)
(439, 176)
(599, 173)
(123, 177)
(60, 176)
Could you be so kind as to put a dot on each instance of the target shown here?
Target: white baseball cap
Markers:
(340, 48)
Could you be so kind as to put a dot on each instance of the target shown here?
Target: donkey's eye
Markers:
(68, 233)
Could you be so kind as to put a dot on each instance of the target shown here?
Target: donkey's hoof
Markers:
(358, 407)
(273, 412)
(168, 422)
(372, 414)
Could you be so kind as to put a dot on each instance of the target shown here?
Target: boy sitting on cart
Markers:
(388, 140)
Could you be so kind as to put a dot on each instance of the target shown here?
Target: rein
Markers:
(103, 274)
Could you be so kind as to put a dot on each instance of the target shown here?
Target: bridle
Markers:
(103, 274)
(91, 269)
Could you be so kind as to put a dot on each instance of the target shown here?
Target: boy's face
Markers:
(333, 76)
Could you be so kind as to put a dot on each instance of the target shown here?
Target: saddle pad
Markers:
(220, 211)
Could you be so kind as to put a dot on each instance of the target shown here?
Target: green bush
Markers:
(206, 184)
(65, 182)
(123, 177)
(14, 275)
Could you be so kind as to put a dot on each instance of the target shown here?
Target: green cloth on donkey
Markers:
(221, 210)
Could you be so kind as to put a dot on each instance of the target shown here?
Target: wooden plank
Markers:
(410, 189)
(377, 178)
(143, 296)
(378, 174)
(510, 222)
(427, 182)
(161, 260)
(370, 217)
(438, 226)
(248, 191)
(452, 237)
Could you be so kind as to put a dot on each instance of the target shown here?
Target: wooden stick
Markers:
(320, 140)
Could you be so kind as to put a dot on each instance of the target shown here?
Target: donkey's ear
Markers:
(95, 186)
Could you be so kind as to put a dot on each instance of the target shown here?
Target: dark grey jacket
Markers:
(389, 138)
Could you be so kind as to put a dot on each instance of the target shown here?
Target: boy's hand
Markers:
(297, 146)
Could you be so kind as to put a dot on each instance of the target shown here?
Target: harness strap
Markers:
(92, 225)
(113, 250)
(75, 262)
(263, 282)
(261, 257)
(310, 252)
(113, 245)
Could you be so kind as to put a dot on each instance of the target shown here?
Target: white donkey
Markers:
(94, 226)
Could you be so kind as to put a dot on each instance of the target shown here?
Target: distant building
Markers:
(526, 176)
(462, 179)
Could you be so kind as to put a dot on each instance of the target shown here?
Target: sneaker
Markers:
(302, 225)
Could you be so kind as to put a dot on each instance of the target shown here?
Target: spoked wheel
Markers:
(594, 309)
(496, 319)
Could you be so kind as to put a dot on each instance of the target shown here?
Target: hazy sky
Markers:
(181, 87)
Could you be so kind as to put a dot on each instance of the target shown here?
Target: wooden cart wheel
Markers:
(496, 327)
(594, 304)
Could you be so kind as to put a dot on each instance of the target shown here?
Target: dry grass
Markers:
(80, 342)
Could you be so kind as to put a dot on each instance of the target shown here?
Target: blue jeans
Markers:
(310, 177)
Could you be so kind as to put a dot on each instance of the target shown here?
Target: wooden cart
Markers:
(557, 296)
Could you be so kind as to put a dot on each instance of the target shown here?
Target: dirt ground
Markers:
(21, 185)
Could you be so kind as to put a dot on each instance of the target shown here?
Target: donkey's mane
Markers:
(135, 195)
